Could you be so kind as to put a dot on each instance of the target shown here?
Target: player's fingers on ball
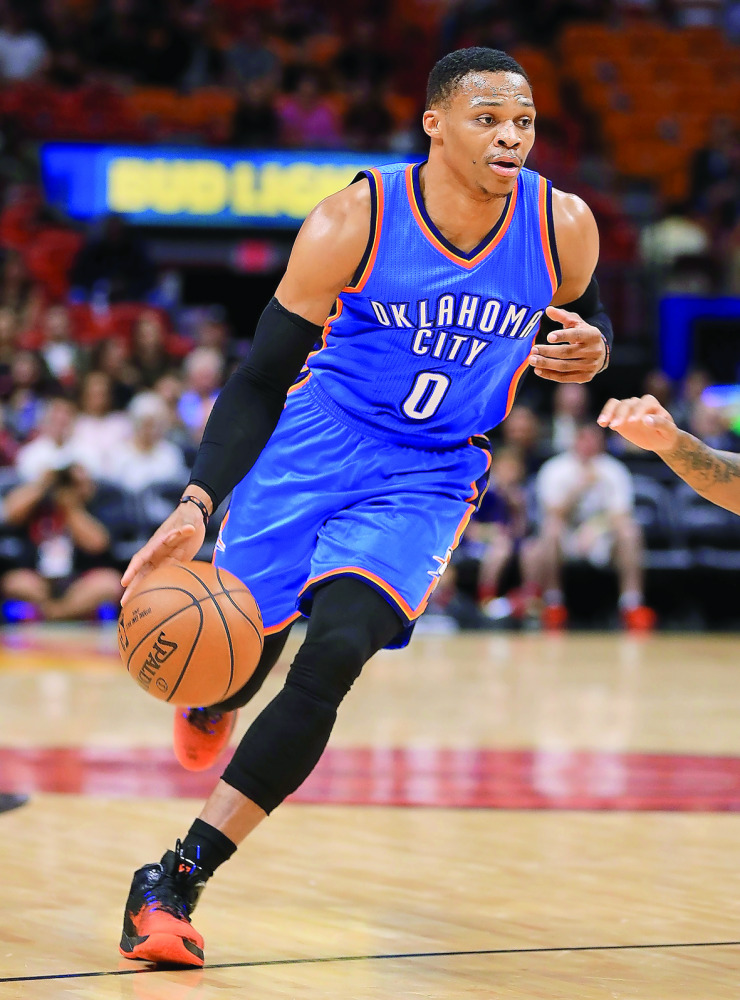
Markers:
(178, 535)
(131, 570)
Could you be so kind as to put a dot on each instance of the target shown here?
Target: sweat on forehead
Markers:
(472, 71)
(478, 89)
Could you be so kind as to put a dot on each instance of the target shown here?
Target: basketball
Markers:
(191, 634)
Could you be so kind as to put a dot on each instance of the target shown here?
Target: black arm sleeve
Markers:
(249, 405)
(591, 308)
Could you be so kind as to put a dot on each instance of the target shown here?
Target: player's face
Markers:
(487, 129)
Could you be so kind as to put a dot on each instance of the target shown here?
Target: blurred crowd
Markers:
(98, 430)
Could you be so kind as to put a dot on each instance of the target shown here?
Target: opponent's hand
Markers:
(643, 421)
(575, 353)
(176, 540)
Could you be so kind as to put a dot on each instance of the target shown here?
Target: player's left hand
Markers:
(575, 353)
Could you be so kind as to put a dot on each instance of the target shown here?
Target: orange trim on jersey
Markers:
(396, 598)
(400, 602)
(501, 227)
(298, 385)
(272, 629)
(377, 225)
(514, 383)
(546, 235)
(333, 315)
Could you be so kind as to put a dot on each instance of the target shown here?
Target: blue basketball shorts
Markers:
(327, 498)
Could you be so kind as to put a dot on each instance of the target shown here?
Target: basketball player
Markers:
(713, 474)
(424, 286)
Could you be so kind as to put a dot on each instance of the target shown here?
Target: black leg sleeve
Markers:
(271, 651)
(349, 623)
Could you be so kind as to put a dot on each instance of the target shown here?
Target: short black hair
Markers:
(455, 66)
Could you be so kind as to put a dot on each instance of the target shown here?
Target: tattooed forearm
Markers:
(713, 474)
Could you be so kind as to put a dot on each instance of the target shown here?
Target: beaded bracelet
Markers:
(200, 505)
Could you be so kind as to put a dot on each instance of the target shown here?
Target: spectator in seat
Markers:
(694, 384)
(367, 121)
(169, 389)
(364, 59)
(248, 58)
(213, 331)
(203, 369)
(147, 457)
(112, 265)
(8, 346)
(23, 52)
(586, 502)
(32, 387)
(100, 430)
(149, 354)
(53, 447)
(63, 357)
(65, 576)
(570, 409)
(164, 55)
(112, 356)
(255, 121)
(496, 536)
(712, 426)
(8, 443)
(521, 431)
(307, 119)
(19, 292)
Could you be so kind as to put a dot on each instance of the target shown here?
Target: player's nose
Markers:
(507, 136)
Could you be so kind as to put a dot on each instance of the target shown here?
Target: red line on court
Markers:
(483, 779)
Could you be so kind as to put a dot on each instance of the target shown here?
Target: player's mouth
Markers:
(505, 166)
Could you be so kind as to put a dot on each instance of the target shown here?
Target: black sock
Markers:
(206, 846)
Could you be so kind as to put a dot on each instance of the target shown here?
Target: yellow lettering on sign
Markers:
(127, 185)
(208, 187)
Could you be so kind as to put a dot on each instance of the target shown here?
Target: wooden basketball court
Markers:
(499, 816)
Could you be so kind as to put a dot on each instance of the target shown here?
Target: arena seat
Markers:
(704, 524)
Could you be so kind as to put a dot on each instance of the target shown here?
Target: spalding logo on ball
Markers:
(191, 634)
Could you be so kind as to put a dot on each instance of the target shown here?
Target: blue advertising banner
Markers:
(170, 186)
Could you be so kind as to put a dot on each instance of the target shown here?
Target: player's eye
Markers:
(525, 122)
(486, 119)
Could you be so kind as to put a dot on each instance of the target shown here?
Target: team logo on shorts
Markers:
(443, 564)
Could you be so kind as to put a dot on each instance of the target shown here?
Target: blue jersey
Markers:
(427, 344)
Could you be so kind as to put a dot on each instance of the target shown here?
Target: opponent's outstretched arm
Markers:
(325, 255)
(643, 421)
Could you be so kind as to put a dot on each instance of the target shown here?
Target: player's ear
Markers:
(431, 122)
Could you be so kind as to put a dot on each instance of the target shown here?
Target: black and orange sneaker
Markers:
(201, 735)
(156, 921)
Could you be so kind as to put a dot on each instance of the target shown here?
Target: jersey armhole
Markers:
(367, 261)
(547, 232)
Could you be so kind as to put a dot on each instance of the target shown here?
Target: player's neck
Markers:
(464, 217)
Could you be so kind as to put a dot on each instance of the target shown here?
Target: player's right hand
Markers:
(643, 421)
(178, 539)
